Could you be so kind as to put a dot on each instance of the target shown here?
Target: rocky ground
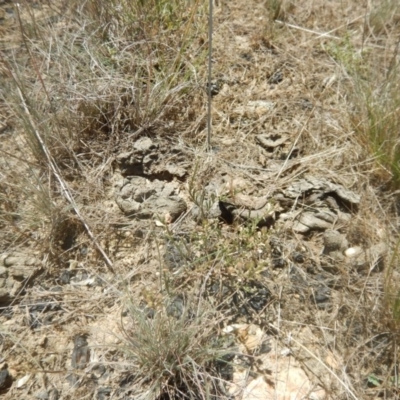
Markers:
(274, 246)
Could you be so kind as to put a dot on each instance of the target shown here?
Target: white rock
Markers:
(21, 382)
(353, 251)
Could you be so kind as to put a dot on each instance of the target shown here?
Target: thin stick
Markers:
(210, 32)
(64, 189)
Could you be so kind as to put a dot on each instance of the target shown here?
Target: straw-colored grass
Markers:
(80, 83)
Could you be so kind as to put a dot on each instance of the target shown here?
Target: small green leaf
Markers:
(374, 380)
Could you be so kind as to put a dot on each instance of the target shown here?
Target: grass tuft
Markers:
(176, 350)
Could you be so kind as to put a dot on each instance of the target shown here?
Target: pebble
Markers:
(42, 395)
(23, 381)
(103, 393)
(321, 296)
(334, 241)
(5, 379)
(353, 251)
(81, 352)
(54, 394)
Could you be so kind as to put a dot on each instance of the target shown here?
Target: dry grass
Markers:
(97, 77)
(176, 351)
(83, 82)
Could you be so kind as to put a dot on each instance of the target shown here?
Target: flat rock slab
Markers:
(316, 204)
(143, 199)
(320, 188)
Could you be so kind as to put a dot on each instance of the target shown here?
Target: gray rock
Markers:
(337, 255)
(16, 268)
(176, 254)
(98, 371)
(148, 158)
(21, 271)
(173, 206)
(319, 220)
(370, 259)
(138, 161)
(311, 185)
(143, 199)
(3, 258)
(145, 145)
(176, 307)
(13, 260)
(42, 395)
(54, 394)
(81, 352)
(103, 393)
(321, 295)
(5, 379)
(334, 241)
(176, 170)
(142, 194)
(19, 265)
(5, 295)
(3, 272)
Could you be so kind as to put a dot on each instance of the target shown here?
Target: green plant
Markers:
(376, 99)
(377, 118)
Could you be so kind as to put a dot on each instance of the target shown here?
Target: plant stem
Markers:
(210, 32)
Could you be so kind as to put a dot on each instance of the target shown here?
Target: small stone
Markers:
(4, 295)
(265, 347)
(319, 220)
(103, 393)
(98, 370)
(321, 295)
(42, 395)
(298, 257)
(276, 78)
(81, 352)
(334, 241)
(3, 272)
(144, 145)
(72, 379)
(21, 271)
(337, 255)
(3, 258)
(12, 260)
(5, 379)
(31, 261)
(54, 394)
(278, 263)
(23, 381)
(65, 277)
(353, 251)
(176, 307)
